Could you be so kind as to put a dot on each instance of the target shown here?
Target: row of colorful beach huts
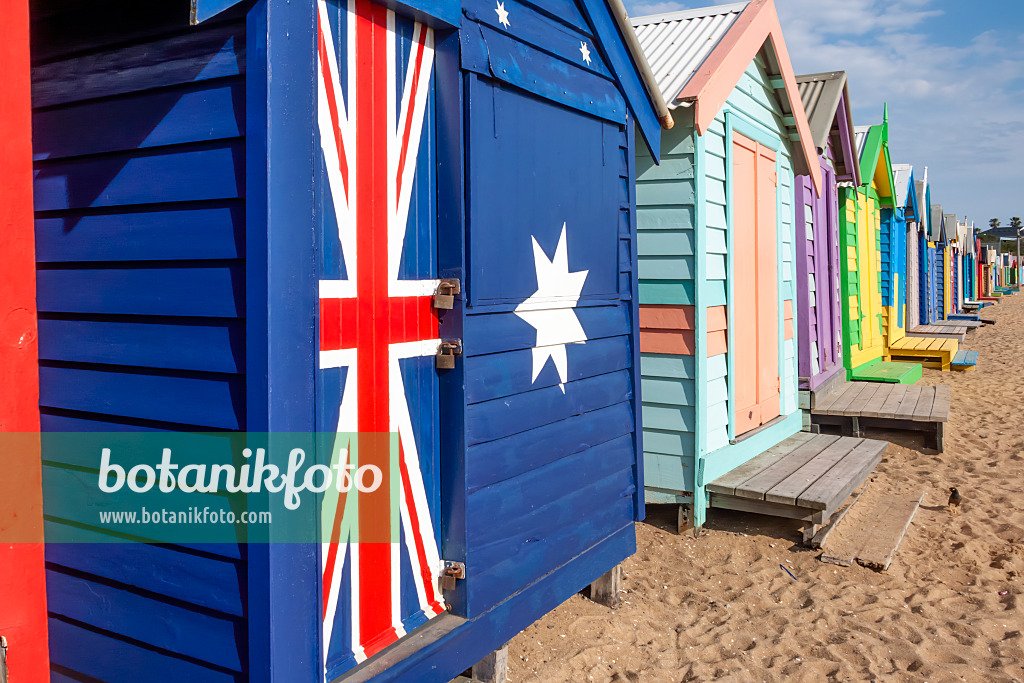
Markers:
(427, 230)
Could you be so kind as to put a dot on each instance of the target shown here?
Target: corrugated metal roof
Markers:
(901, 178)
(860, 135)
(820, 94)
(677, 43)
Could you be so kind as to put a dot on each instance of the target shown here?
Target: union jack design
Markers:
(382, 581)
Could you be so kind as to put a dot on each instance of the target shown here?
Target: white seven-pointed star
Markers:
(551, 309)
(585, 52)
(502, 14)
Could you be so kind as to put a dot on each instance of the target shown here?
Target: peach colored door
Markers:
(755, 285)
(744, 302)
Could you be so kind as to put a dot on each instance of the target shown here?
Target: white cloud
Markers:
(951, 107)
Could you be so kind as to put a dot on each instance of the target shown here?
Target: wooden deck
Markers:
(970, 322)
(931, 351)
(939, 330)
(856, 405)
(805, 477)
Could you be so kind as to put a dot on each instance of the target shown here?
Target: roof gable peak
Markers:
(699, 56)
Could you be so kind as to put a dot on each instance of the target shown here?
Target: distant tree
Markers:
(1015, 223)
(993, 223)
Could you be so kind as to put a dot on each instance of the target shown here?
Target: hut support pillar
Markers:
(605, 591)
(685, 519)
(493, 668)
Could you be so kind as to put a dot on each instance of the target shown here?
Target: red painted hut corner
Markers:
(22, 582)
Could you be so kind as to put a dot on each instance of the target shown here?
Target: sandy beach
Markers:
(721, 608)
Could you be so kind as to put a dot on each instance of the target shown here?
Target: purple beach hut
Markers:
(826, 100)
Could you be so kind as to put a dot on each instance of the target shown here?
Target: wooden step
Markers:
(933, 350)
(965, 360)
(855, 406)
(882, 371)
(939, 331)
(952, 322)
(803, 477)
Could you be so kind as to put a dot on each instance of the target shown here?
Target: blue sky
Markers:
(951, 71)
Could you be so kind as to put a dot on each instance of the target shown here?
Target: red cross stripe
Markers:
(371, 320)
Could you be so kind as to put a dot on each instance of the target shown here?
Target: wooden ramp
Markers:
(939, 330)
(856, 405)
(871, 537)
(930, 351)
(805, 477)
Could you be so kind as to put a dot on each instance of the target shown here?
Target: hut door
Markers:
(755, 319)
(827, 258)
(869, 267)
(377, 388)
(913, 279)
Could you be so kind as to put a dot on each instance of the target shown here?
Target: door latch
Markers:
(446, 352)
(452, 572)
(444, 296)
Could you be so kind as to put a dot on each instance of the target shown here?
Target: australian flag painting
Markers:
(378, 329)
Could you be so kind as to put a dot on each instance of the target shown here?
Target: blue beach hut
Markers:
(413, 219)
(899, 232)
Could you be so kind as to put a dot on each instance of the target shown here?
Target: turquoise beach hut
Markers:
(716, 247)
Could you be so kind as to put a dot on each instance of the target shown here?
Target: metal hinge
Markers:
(452, 572)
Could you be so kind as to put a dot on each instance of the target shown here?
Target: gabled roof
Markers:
(906, 190)
(901, 177)
(611, 26)
(698, 56)
(965, 236)
(677, 43)
(860, 136)
(826, 101)
(873, 147)
(923, 197)
(937, 231)
(949, 220)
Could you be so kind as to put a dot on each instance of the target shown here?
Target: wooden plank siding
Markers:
(140, 230)
(666, 245)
